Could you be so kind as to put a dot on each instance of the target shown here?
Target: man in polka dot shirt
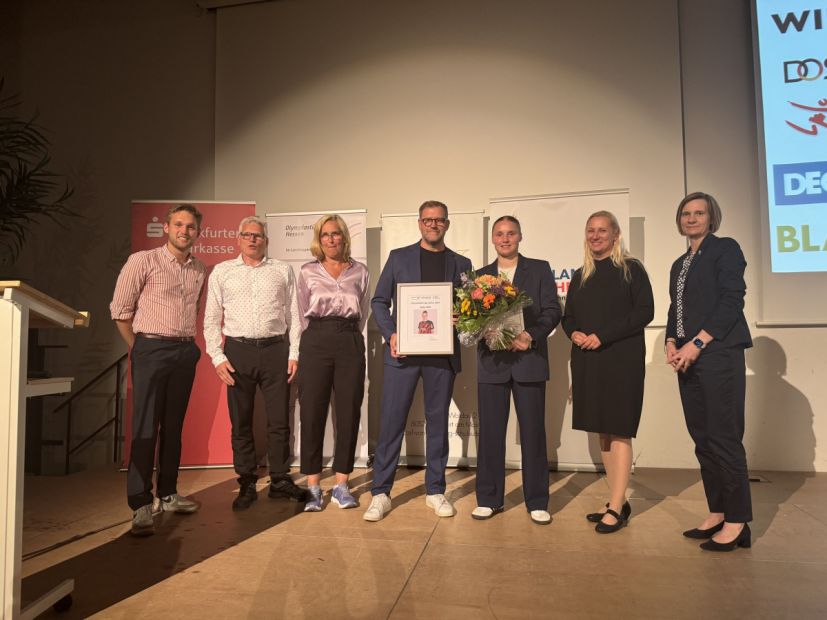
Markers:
(252, 300)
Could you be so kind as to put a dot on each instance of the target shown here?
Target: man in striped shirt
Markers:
(154, 308)
(254, 298)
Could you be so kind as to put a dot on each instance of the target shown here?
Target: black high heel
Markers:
(597, 517)
(621, 520)
(702, 534)
(744, 539)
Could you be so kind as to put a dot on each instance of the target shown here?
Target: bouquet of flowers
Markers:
(486, 305)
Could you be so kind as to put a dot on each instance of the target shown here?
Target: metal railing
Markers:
(115, 420)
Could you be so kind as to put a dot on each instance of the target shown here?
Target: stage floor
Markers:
(274, 561)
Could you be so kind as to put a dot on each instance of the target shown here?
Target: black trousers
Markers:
(264, 367)
(162, 376)
(332, 354)
(494, 403)
(712, 392)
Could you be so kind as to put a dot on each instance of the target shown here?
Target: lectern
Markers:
(22, 308)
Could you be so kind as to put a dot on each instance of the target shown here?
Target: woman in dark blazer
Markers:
(706, 335)
(521, 372)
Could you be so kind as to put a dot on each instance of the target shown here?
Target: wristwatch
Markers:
(699, 343)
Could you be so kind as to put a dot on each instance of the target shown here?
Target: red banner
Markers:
(206, 437)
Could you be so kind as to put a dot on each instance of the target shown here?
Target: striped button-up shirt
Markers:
(254, 301)
(158, 293)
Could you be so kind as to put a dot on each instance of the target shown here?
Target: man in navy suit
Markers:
(426, 261)
(521, 371)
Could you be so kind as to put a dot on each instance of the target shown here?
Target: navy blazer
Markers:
(713, 295)
(403, 266)
(540, 318)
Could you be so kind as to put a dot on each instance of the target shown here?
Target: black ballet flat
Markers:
(596, 517)
(702, 534)
(605, 528)
(744, 539)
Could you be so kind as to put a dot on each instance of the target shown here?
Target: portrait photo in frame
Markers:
(423, 318)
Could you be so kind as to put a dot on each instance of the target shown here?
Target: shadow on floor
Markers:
(118, 569)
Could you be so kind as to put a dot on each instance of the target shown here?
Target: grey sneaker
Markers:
(142, 522)
(440, 505)
(174, 503)
(379, 505)
(341, 496)
(314, 499)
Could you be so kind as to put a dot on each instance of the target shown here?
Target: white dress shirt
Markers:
(255, 301)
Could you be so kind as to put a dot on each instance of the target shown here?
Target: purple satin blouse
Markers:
(320, 295)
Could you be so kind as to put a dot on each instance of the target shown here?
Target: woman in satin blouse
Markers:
(333, 303)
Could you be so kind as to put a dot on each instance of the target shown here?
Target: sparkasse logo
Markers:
(155, 228)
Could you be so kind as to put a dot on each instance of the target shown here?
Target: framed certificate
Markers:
(423, 318)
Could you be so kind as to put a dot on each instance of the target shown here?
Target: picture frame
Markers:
(424, 323)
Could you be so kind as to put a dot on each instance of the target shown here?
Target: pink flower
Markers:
(477, 294)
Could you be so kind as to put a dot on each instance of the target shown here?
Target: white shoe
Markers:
(379, 505)
(481, 513)
(540, 517)
(442, 507)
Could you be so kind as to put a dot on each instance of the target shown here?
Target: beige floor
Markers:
(274, 561)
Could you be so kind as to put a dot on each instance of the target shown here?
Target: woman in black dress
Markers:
(706, 335)
(609, 303)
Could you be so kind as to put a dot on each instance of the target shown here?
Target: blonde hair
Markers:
(316, 246)
(620, 257)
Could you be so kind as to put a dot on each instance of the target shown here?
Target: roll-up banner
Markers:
(465, 236)
(553, 228)
(290, 236)
(206, 437)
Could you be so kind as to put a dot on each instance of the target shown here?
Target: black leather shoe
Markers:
(247, 494)
(283, 487)
(605, 528)
(744, 539)
(597, 517)
(702, 534)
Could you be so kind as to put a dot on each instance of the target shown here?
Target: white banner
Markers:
(465, 236)
(290, 236)
(554, 229)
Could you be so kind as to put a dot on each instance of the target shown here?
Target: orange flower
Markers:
(488, 300)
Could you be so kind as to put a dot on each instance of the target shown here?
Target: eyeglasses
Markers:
(331, 235)
(431, 221)
(251, 236)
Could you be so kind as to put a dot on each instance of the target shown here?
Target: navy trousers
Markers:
(162, 376)
(397, 394)
(712, 392)
(494, 402)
